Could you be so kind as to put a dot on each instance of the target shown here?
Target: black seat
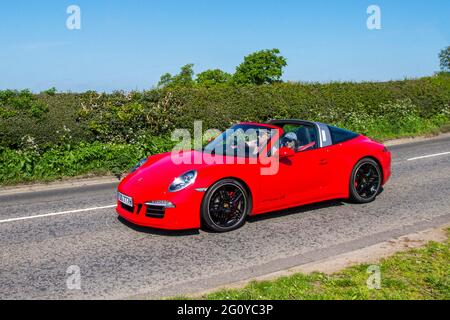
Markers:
(303, 136)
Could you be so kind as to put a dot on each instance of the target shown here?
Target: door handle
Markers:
(323, 162)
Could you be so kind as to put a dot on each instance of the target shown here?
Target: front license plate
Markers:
(125, 199)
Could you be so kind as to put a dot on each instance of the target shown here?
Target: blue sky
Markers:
(128, 44)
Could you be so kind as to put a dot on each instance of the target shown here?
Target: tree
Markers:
(261, 67)
(184, 78)
(211, 78)
(165, 80)
(444, 57)
(51, 92)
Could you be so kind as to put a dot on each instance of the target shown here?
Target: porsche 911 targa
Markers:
(251, 169)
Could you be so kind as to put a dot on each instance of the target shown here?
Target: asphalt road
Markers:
(117, 260)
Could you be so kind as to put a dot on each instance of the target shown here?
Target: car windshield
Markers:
(243, 140)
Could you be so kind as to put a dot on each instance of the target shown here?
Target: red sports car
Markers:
(250, 169)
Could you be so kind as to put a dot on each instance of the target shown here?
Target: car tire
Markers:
(365, 181)
(225, 206)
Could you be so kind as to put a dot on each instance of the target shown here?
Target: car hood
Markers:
(160, 170)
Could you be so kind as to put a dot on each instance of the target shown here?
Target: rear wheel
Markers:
(225, 206)
(365, 182)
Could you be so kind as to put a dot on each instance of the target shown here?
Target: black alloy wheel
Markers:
(365, 182)
(225, 206)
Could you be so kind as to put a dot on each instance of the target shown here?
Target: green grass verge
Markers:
(422, 273)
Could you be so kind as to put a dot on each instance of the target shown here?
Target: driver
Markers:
(290, 141)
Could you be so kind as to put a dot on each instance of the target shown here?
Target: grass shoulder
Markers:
(421, 273)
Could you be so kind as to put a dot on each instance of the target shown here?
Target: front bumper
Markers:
(185, 215)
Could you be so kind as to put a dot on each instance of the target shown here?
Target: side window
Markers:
(299, 137)
(339, 135)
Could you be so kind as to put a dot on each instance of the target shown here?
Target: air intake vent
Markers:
(128, 208)
(155, 211)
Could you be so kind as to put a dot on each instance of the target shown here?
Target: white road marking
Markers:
(56, 214)
(429, 156)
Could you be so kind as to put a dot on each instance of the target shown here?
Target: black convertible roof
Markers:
(282, 122)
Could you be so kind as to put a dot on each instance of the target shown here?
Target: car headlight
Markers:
(140, 164)
(183, 181)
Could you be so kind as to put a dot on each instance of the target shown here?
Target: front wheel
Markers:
(225, 206)
(365, 182)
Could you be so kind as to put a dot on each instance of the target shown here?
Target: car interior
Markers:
(299, 137)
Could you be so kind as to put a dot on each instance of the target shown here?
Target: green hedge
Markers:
(48, 136)
(125, 117)
(74, 160)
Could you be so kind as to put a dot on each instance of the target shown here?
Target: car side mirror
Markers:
(285, 152)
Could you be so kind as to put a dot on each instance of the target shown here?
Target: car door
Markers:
(303, 177)
(300, 179)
